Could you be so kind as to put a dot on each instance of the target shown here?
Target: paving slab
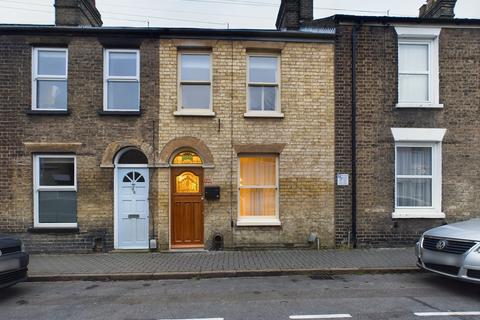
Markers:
(209, 264)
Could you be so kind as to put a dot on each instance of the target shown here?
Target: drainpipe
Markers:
(354, 134)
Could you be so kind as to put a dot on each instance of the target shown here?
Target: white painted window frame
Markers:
(421, 137)
(429, 36)
(36, 76)
(260, 220)
(107, 77)
(193, 112)
(38, 187)
(264, 114)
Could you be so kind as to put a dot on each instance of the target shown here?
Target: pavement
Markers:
(217, 264)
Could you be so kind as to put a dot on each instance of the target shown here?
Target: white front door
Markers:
(132, 204)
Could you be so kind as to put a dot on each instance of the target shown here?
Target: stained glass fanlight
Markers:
(187, 157)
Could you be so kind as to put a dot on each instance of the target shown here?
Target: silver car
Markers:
(452, 250)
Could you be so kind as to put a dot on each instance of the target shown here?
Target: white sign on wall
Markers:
(342, 179)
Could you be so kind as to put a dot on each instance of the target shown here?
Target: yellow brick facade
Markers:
(306, 163)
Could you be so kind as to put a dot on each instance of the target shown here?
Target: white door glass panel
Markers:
(414, 192)
(195, 96)
(257, 202)
(123, 64)
(413, 57)
(123, 95)
(52, 94)
(263, 69)
(195, 67)
(52, 63)
(414, 161)
(413, 88)
(57, 172)
(57, 206)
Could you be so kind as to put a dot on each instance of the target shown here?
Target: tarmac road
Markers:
(387, 296)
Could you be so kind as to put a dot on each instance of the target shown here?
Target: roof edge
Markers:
(194, 33)
(392, 19)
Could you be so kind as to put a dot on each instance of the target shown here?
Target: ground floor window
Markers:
(258, 190)
(418, 173)
(414, 176)
(55, 191)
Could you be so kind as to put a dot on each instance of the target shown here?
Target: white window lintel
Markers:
(418, 134)
(416, 32)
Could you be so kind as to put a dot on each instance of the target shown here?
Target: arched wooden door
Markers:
(187, 207)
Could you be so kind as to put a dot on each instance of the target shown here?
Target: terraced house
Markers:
(407, 106)
(138, 138)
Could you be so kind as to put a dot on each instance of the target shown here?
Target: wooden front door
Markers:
(187, 208)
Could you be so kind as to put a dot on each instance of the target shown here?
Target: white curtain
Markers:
(257, 186)
(416, 189)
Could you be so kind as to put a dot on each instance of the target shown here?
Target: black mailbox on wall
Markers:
(212, 193)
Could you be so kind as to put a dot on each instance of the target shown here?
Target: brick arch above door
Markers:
(189, 143)
(114, 147)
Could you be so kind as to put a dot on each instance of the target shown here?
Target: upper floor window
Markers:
(418, 81)
(55, 191)
(418, 173)
(122, 80)
(195, 84)
(263, 85)
(49, 79)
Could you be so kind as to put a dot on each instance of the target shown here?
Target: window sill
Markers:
(196, 113)
(258, 222)
(54, 230)
(46, 112)
(419, 106)
(119, 113)
(263, 114)
(417, 214)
